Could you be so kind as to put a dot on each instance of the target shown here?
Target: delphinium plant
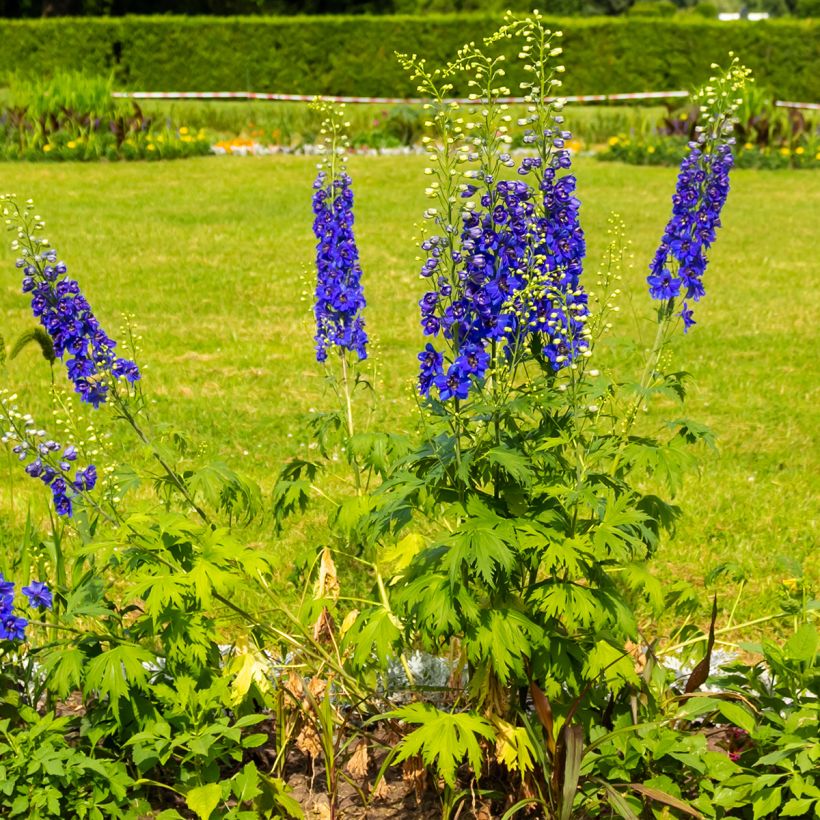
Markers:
(529, 492)
(141, 629)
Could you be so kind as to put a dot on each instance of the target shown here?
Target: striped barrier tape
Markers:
(810, 106)
(253, 95)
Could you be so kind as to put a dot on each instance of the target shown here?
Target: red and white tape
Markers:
(809, 106)
(254, 95)
(258, 95)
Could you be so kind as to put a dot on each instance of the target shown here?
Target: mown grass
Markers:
(209, 255)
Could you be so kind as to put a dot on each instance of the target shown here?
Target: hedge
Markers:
(354, 55)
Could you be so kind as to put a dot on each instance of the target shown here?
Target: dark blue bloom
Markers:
(516, 273)
(686, 315)
(75, 333)
(454, 384)
(701, 191)
(38, 594)
(6, 588)
(339, 294)
(13, 628)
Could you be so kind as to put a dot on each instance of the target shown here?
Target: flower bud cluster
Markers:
(63, 311)
(702, 188)
(339, 296)
(12, 625)
(45, 458)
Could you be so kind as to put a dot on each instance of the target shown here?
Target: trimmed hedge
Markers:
(354, 55)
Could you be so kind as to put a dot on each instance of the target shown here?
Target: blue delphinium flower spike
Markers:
(702, 188)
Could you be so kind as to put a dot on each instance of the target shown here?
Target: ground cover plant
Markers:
(73, 116)
(167, 570)
(768, 136)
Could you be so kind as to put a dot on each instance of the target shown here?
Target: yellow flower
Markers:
(151, 146)
(748, 146)
(799, 150)
(47, 147)
(186, 138)
(613, 140)
(790, 584)
(183, 131)
(784, 152)
(71, 144)
(651, 149)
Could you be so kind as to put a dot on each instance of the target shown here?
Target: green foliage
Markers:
(39, 337)
(354, 55)
(443, 739)
(43, 776)
(73, 116)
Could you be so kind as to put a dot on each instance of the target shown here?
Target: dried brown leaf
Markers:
(307, 742)
(357, 764)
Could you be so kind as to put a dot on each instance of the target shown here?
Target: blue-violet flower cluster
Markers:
(702, 188)
(66, 316)
(47, 460)
(518, 268)
(339, 294)
(12, 625)
(680, 261)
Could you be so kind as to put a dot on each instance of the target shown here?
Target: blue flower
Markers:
(516, 273)
(47, 461)
(686, 315)
(339, 294)
(78, 339)
(12, 627)
(38, 594)
(454, 384)
(701, 191)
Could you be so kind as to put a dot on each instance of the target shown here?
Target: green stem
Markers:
(723, 630)
(357, 481)
(169, 471)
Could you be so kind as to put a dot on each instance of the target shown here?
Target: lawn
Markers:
(213, 258)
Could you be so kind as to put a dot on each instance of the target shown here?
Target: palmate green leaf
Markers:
(443, 739)
(64, 667)
(692, 432)
(439, 606)
(616, 534)
(502, 638)
(573, 605)
(639, 579)
(160, 591)
(223, 488)
(668, 461)
(513, 462)
(613, 663)
(375, 631)
(481, 549)
(482, 543)
(115, 672)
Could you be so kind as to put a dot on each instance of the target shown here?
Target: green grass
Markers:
(208, 254)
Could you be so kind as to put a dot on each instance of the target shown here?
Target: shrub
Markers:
(653, 8)
(354, 55)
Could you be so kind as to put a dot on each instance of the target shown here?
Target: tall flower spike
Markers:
(47, 460)
(63, 311)
(702, 188)
(516, 268)
(339, 294)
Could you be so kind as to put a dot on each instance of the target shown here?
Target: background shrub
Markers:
(354, 55)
